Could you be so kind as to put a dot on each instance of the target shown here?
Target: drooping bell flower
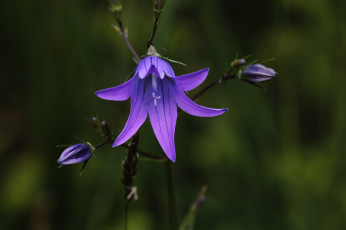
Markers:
(258, 73)
(156, 91)
(75, 154)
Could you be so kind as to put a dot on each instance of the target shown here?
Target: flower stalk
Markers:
(116, 10)
(157, 9)
(129, 172)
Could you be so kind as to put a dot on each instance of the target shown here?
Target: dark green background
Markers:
(275, 160)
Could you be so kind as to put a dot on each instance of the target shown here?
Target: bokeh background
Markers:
(275, 160)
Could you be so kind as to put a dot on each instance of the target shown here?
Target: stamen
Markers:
(154, 85)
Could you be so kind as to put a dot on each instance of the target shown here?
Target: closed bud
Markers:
(237, 63)
(75, 154)
(116, 9)
(105, 129)
(94, 122)
(258, 73)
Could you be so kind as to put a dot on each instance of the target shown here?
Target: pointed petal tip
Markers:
(172, 158)
(99, 94)
(222, 111)
(116, 143)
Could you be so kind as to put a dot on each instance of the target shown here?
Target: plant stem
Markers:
(124, 35)
(172, 210)
(222, 79)
(158, 9)
(156, 24)
(141, 153)
(102, 144)
(129, 172)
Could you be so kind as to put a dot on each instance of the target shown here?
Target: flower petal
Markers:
(163, 118)
(144, 67)
(192, 80)
(168, 69)
(138, 113)
(75, 154)
(190, 107)
(118, 93)
(157, 62)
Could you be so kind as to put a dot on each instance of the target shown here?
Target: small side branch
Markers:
(116, 10)
(125, 37)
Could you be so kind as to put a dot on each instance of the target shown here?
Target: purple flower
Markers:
(75, 154)
(156, 91)
(258, 73)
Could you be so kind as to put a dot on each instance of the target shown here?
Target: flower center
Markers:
(154, 85)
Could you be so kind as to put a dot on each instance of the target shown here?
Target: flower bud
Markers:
(106, 130)
(238, 63)
(95, 123)
(258, 73)
(75, 154)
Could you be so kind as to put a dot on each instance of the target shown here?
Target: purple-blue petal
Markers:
(190, 107)
(144, 67)
(138, 113)
(258, 73)
(168, 69)
(157, 62)
(118, 93)
(75, 154)
(192, 80)
(163, 118)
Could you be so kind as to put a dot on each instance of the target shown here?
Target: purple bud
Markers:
(75, 154)
(106, 130)
(94, 122)
(258, 73)
(238, 63)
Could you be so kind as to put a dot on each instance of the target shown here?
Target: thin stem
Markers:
(158, 9)
(148, 155)
(124, 35)
(141, 153)
(156, 25)
(205, 89)
(129, 172)
(222, 79)
(102, 144)
(125, 217)
(172, 210)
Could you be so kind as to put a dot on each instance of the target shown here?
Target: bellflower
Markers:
(258, 73)
(75, 154)
(156, 91)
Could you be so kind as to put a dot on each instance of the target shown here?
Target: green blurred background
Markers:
(275, 160)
